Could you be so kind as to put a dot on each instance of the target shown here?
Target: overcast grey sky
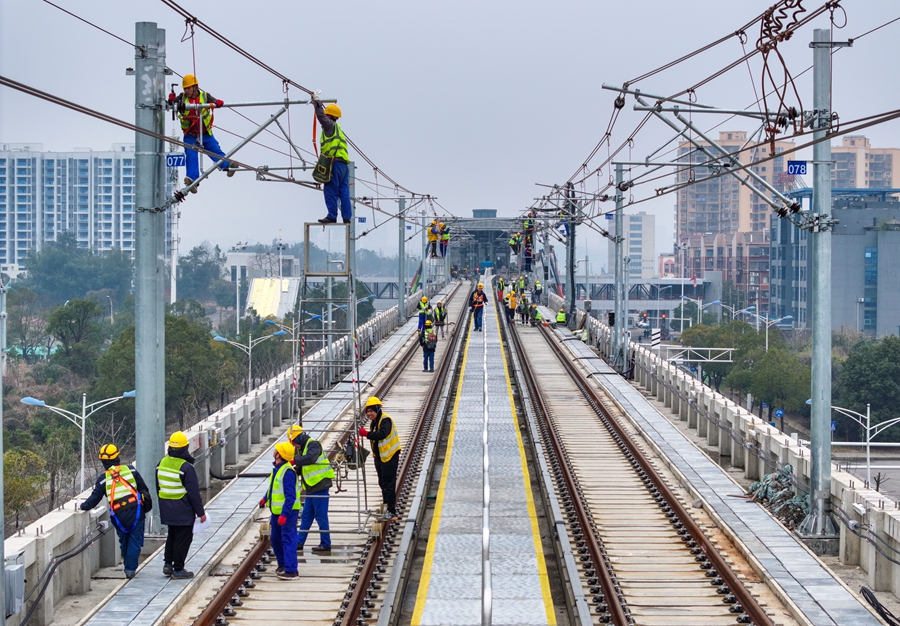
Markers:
(472, 102)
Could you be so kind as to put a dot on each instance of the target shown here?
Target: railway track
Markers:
(348, 581)
(642, 558)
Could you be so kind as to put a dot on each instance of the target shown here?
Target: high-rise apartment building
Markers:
(865, 283)
(858, 165)
(723, 204)
(42, 194)
(639, 246)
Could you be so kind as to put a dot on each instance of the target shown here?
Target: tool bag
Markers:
(322, 172)
(355, 454)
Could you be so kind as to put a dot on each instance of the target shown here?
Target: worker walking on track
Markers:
(536, 292)
(523, 309)
(424, 311)
(179, 504)
(477, 305)
(501, 287)
(197, 125)
(128, 500)
(440, 317)
(428, 340)
(316, 476)
(511, 307)
(284, 506)
(386, 451)
(332, 142)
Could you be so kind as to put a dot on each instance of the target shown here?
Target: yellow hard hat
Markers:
(372, 401)
(424, 298)
(434, 221)
(480, 285)
(178, 440)
(562, 310)
(428, 322)
(285, 450)
(294, 431)
(333, 110)
(108, 452)
(189, 80)
(439, 303)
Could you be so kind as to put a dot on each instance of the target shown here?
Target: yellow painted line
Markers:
(532, 513)
(422, 594)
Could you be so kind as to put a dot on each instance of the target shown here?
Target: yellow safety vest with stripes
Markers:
(314, 474)
(122, 498)
(336, 145)
(275, 496)
(390, 445)
(168, 476)
(206, 115)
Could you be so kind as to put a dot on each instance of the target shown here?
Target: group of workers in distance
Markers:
(523, 247)
(438, 239)
(297, 494)
(197, 127)
(432, 321)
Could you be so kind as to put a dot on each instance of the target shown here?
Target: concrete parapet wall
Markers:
(745, 441)
(214, 442)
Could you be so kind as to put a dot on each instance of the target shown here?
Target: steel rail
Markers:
(746, 600)
(595, 550)
(223, 597)
(376, 547)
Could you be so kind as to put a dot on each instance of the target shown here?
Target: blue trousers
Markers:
(429, 359)
(338, 188)
(284, 541)
(130, 544)
(479, 314)
(192, 157)
(422, 318)
(315, 507)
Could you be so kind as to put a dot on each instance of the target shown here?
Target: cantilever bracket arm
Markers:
(180, 194)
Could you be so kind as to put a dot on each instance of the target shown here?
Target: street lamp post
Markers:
(735, 311)
(248, 350)
(700, 306)
(111, 310)
(659, 304)
(79, 420)
(768, 323)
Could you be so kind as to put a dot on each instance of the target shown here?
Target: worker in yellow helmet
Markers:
(445, 238)
(316, 478)
(333, 143)
(128, 500)
(434, 233)
(386, 448)
(179, 503)
(476, 304)
(197, 125)
(284, 506)
(424, 311)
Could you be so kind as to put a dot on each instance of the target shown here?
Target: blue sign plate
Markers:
(796, 168)
(174, 160)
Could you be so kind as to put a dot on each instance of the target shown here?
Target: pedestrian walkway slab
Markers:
(810, 585)
(450, 591)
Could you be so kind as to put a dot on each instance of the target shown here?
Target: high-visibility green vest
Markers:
(522, 285)
(445, 233)
(500, 284)
(313, 474)
(537, 315)
(275, 496)
(168, 476)
(127, 476)
(336, 145)
(529, 224)
(440, 313)
(424, 308)
(390, 445)
(561, 317)
(205, 114)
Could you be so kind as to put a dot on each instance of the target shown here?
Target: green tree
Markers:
(199, 272)
(871, 375)
(75, 323)
(23, 482)
(62, 270)
(27, 323)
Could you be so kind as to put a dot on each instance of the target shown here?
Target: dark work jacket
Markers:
(313, 452)
(183, 511)
(377, 435)
(126, 518)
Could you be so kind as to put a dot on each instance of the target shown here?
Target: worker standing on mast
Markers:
(197, 125)
(332, 142)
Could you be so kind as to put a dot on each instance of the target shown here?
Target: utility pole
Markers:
(818, 521)
(425, 257)
(2, 478)
(570, 249)
(174, 214)
(401, 263)
(614, 334)
(150, 271)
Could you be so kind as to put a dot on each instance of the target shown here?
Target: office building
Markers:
(42, 194)
(865, 282)
(639, 247)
